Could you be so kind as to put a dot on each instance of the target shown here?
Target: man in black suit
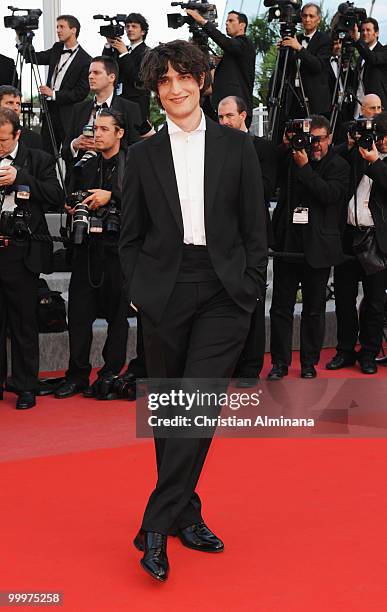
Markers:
(336, 84)
(371, 68)
(22, 261)
(103, 74)
(232, 112)
(193, 253)
(129, 61)
(67, 80)
(10, 97)
(8, 74)
(235, 73)
(311, 53)
(366, 213)
(306, 220)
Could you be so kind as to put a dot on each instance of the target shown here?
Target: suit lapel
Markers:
(214, 157)
(160, 153)
(73, 66)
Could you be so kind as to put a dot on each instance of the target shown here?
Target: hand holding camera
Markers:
(98, 198)
(118, 44)
(7, 175)
(369, 155)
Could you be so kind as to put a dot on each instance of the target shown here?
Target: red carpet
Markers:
(303, 520)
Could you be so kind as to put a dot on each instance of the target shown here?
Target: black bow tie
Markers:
(6, 157)
(306, 38)
(334, 58)
(99, 107)
(70, 51)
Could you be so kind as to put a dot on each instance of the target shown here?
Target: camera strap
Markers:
(58, 69)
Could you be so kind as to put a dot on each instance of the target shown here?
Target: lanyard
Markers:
(58, 70)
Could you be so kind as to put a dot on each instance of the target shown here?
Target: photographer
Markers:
(67, 81)
(340, 80)
(306, 220)
(129, 61)
(10, 97)
(24, 258)
(312, 52)
(103, 74)
(235, 73)
(371, 67)
(96, 279)
(365, 235)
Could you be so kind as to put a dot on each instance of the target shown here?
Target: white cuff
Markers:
(73, 151)
(122, 54)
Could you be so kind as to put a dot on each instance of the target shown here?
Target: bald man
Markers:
(371, 105)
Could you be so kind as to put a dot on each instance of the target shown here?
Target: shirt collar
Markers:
(310, 36)
(136, 44)
(174, 129)
(14, 152)
(372, 47)
(71, 48)
(108, 101)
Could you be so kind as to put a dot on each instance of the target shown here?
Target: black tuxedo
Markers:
(30, 139)
(322, 188)
(73, 89)
(235, 73)
(375, 70)
(7, 71)
(129, 66)
(194, 301)
(21, 264)
(80, 117)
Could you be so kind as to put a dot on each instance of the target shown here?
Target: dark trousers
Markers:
(250, 362)
(58, 129)
(137, 366)
(86, 304)
(286, 279)
(200, 335)
(18, 307)
(368, 325)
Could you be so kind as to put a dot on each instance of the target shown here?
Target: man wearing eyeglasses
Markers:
(306, 220)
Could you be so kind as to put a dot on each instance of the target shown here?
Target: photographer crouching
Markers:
(365, 236)
(28, 188)
(96, 281)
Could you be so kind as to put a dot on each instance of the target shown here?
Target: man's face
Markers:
(134, 32)
(381, 145)
(12, 102)
(179, 93)
(336, 47)
(320, 148)
(7, 139)
(310, 19)
(371, 107)
(99, 79)
(106, 134)
(368, 34)
(228, 115)
(63, 30)
(233, 27)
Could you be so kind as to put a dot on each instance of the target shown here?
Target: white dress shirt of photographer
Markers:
(9, 199)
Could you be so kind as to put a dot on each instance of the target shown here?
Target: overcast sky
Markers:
(154, 10)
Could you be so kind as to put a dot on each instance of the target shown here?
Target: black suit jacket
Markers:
(235, 73)
(323, 190)
(129, 66)
(268, 158)
(30, 139)
(7, 71)
(75, 84)
(151, 244)
(81, 115)
(375, 70)
(37, 170)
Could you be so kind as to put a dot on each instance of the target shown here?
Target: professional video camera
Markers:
(299, 134)
(15, 223)
(105, 220)
(114, 29)
(346, 18)
(287, 13)
(208, 11)
(364, 132)
(22, 23)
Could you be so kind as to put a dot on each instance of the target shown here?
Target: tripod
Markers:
(26, 51)
(341, 92)
(277, 98)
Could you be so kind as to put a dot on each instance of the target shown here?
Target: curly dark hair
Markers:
(184, 57)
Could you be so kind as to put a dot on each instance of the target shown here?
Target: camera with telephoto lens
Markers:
(286, 12)
(15, 223)
(81, 222)
(114, 29)
(22, 23)
(364, 132)
(299, 134)
(345, 20)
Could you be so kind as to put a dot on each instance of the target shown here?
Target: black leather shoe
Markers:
(277, 372)
(368, 365)
(68, 389)
(25, 400)
(91, 390)
(308, 371)
(155, 560)
(340, 361)
(199, 537)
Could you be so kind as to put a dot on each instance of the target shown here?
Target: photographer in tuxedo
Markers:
(67, 81)
(193, 254)
(28, 188)
(129, 60)
(96, 282)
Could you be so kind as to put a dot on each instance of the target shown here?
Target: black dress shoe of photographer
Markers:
(25, 400)
(199, 537)
(68, 389)
(368, 365)
(277, 372)
(91, 390)
(155, 560)
(308, 371)
(340, 361)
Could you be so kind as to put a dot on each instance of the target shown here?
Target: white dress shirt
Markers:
(9, 200)
(188, 159)
(61, 68)
(364, 215)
